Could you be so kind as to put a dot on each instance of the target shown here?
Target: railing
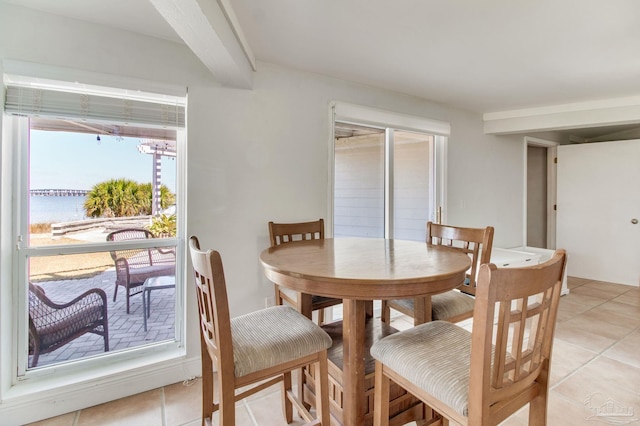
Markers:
(59, 192)
(61, 228)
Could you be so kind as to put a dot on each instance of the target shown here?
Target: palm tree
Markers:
(123, 197)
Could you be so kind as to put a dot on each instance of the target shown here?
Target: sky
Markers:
(63, 160)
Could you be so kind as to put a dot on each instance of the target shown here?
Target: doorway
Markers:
(540, 193)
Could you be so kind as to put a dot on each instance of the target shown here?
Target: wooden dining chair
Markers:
(253, 351)
(455, 305)
(473, 377)
(283, 233)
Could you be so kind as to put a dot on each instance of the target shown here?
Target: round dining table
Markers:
(360, 270)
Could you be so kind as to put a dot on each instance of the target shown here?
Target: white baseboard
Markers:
(35, 406)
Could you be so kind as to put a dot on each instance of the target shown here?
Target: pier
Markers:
(59, 192)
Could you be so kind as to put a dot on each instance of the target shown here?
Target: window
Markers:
(98, 200)
(388, 173)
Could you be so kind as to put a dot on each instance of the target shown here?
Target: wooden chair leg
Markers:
(302, 380)
(322, 390)
(305, 308)
(381, 398)
(287, 407)
(320, 316)
(369, 309)
(538, 405)
(538, 410)
(207, 382)
(227, 411)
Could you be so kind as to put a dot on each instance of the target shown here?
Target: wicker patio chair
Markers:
(52, 325)
(134, 266)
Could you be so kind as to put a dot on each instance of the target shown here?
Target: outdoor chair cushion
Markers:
(138, 274)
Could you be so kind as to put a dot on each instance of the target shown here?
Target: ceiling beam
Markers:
(210, 29)
(610, 112)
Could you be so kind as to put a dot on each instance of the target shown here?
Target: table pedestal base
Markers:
(403, 408)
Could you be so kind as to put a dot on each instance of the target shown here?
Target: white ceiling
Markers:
(485, 56)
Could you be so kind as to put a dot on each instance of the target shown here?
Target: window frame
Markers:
(15, 174)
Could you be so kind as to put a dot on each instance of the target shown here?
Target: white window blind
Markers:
(28, 100)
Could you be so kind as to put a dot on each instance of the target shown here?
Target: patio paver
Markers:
(125, 330)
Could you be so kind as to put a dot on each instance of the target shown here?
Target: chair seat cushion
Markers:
(435, 357)
(444, 305)
(451, 304)
(138, 275)
(315, 299)
(273, 336)
(406, 304)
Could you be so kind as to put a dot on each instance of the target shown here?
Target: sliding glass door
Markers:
(385, 182)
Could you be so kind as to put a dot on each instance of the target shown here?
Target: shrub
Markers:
(163, 225)
(40, 228)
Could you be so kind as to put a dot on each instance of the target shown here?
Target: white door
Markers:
(598, 210)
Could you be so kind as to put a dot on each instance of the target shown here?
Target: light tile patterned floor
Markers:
(595, 362)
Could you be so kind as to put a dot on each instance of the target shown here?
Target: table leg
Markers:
(353, 329)
(421, 310)
(144, 308)
(149, 303)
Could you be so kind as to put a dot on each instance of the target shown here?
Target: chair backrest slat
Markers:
(513, 326)
(133, 256)
(476, 242)
(281, 233)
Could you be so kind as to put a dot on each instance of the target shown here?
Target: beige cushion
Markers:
(273, 336)
(406, 304)
(444, 305)
(450, 304)
(315, 299)
(435, 357)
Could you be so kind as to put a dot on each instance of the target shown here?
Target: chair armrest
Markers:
(162, 255)
(51, 313)
(89, 297)
(122, 270)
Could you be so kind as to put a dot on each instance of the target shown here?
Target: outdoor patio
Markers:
(125, 330)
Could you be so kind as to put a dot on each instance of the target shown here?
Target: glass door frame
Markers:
(366, 116)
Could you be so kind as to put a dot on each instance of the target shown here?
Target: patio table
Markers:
(151, 284)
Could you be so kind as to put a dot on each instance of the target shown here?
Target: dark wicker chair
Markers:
(52, 325)
(134, 266)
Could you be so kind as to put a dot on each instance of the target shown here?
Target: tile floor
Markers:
(595, 365)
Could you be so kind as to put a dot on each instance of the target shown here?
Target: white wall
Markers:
(253, 156)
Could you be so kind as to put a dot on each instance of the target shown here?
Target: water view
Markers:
(53, 209)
